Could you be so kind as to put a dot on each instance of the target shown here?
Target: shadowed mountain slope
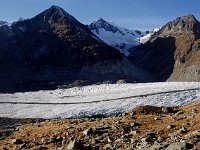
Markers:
(172, 53)
(53, 48)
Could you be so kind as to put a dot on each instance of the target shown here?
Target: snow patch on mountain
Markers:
(117, 37)
(146, 38)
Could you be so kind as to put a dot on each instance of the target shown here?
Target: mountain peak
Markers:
(56, 14)
(3, 23)
(189, 17)
(101, 20)
(56, 9)
(103, 24)
(180, 25)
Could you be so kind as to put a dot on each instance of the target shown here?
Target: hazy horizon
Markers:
(138, 14)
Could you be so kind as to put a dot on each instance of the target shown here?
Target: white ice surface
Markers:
(118, 40)
(146, 37)
(90, 100)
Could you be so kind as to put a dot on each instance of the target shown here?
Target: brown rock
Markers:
(75, 145)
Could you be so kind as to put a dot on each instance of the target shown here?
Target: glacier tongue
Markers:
(105, 99)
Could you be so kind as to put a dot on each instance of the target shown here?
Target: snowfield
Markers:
(122, 42)
(147, 37)
(105, 99)
(118, 37)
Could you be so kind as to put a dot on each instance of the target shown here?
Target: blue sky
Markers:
(133, 14)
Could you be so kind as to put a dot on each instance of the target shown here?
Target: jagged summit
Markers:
(187, 24)
(57, 14)
(103, 24)
(3, 23)
(59, 10)
(184, 23)
(101, 20)
(54, 16)
(56, 7)
(189, 17)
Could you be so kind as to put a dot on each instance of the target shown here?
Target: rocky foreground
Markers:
(145, 127)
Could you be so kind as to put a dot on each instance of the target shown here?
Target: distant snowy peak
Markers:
(110, 26)
(102, 24)
(3, 23)
(115, 36)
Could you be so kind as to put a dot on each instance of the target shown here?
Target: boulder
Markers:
(179, 146)
(75, 145)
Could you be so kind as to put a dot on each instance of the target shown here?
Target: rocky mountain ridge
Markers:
(3, 23)
(173, 52)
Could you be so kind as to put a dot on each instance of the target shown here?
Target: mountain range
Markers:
(54, 49)
(3, 23)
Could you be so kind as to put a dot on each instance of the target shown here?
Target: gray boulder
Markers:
(179, 146)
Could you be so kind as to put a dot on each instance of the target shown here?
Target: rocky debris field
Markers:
(144, 127)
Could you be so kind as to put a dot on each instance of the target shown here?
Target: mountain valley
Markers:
(65, 85)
